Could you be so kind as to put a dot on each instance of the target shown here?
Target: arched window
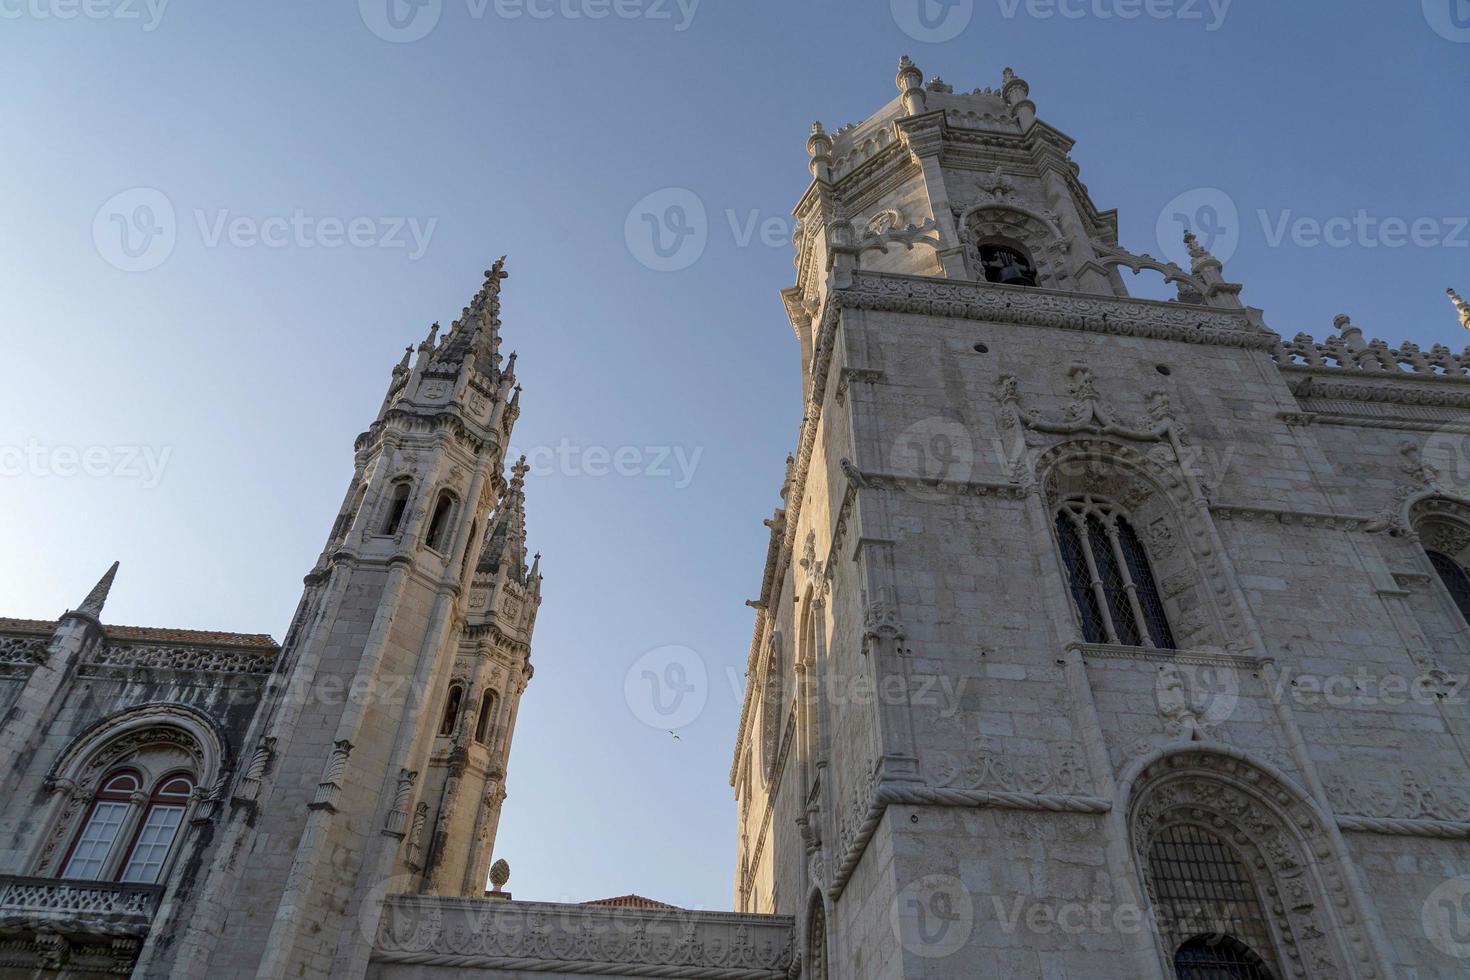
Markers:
(1109, 576)
(396, 508)
(439, 523)
(451, 710)
(157, 830)
(1007, 264)
(1454, 578)
(1218, 958)
(487, 714)
(1202, 890)
(100, 830)
(151, 824)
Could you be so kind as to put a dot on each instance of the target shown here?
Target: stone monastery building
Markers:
(1164, 618)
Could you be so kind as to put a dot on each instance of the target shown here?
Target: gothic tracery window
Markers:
(1455, 580)
(1109, 576)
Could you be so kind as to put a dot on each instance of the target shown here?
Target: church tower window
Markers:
(1007, 265)
(451, 710)
(396, 508)
(439, 524)
(1109, 576)
(1455, 580)
(487, 713)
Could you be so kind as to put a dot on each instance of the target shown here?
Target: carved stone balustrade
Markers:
(540, 937)
(88, 908)
(1376, 356)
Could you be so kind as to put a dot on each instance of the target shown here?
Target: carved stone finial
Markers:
(910, 82)
(499, 874)
(1352, 337)
(1462, 307)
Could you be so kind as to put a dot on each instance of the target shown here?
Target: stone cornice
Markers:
(1031, 306)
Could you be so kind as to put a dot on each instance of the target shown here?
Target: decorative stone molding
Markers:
(1046, 308)
(1401, 802)
(1085, 412)
(1201, 658)
(540, 937)
(985, 768)
(225, 660)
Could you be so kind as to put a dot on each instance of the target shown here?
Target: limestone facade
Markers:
(1094, 624)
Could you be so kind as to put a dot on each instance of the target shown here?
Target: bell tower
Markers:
(378, 764)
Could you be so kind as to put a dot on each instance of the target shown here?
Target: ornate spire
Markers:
(475, 336)
(92, 605)
(505, 543)
(1462, 307)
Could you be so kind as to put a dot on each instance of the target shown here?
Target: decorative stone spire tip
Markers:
(93, 603)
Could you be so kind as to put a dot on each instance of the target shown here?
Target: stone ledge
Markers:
(544, 937)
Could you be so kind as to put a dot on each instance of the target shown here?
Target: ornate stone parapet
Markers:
(542, 937)
(226, 660)
(101, 908)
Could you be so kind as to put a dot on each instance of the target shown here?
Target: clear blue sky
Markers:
(253, 366)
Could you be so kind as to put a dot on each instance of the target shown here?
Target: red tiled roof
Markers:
(632, 902)
(254, 641)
